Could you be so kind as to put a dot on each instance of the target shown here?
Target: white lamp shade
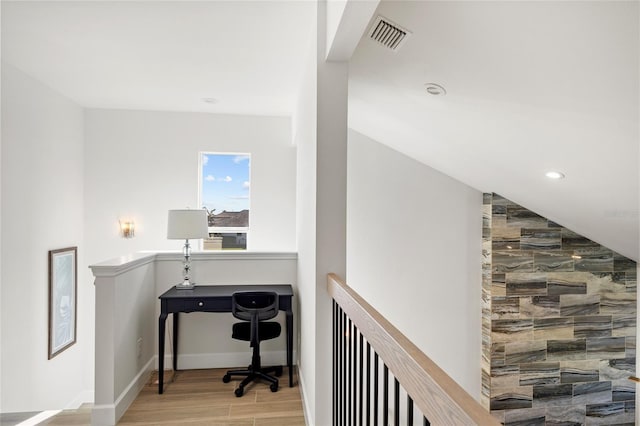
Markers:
(187, 224)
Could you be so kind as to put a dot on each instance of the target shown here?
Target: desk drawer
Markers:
(198, 305)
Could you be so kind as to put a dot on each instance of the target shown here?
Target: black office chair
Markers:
(254, 308)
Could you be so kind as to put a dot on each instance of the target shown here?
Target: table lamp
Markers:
(185, 225)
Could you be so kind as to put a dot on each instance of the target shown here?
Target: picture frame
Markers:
(63, 301)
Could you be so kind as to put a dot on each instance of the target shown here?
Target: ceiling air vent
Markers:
(388, 33)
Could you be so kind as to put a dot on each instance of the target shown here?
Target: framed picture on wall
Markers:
(63, 289)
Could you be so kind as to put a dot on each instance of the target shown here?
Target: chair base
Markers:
(251, 374)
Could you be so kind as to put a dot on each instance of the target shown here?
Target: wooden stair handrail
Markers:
(437, 395)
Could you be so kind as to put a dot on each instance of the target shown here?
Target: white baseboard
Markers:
(224, 360)
(85, 397)
(135, 386)
(305, 403)
(103, 415)
(109, 414)
(38, 418)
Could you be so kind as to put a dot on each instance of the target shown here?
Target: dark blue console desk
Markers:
(214, 298)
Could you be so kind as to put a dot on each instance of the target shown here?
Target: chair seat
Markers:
(266, 330)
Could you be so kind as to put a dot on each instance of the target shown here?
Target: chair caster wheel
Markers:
(278, 371)
(239, 392)
(274, 387)
(226, 378)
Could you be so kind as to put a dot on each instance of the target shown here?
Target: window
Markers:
(225, 188)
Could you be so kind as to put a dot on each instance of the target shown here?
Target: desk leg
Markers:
(162, 321)
(290, 346)
(175, 341)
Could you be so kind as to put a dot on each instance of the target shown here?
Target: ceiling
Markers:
(531, 86)
(163, 55)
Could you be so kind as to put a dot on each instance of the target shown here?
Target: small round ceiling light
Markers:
(210, 100)
(554, 175)
(435, 89)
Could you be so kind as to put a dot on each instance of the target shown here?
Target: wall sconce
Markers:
(127, 229)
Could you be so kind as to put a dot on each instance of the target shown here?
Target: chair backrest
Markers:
(263, 305)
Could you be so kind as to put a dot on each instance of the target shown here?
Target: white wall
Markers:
(414, 252)
(139, 164)
(42, 209)
(321, 137)
(0, 237)
(331, 207)
(335, 10)
(125, 314)
(304, 121)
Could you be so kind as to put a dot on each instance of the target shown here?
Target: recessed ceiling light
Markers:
(435, 89)
(210, 100)
(554, 175)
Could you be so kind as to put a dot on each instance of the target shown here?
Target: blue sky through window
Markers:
(225, 181)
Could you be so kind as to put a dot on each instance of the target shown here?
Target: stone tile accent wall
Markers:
(558, 323)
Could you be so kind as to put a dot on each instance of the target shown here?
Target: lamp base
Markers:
(185, 285)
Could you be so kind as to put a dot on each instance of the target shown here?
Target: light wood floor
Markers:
(198, 397)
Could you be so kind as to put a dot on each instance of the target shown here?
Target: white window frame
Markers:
(220, 229)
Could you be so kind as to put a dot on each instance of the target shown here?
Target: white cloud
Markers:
(239, 158)
(239, 197)
(227, 179)
(205, 160)
(246, 185)
(210, 178)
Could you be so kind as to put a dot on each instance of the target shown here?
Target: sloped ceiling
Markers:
(532, 86)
